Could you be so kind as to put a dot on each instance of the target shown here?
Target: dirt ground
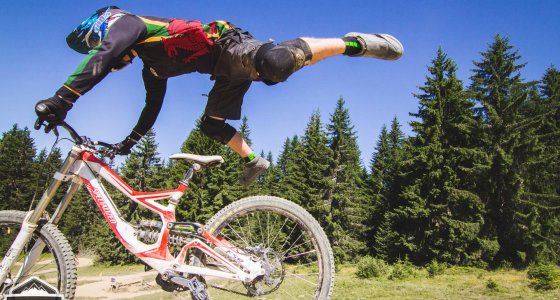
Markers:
(129, 286)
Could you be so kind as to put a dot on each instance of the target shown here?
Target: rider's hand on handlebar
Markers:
(53, 110)
(123, 148)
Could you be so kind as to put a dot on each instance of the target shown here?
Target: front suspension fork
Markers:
(30, 222)
(35, 252)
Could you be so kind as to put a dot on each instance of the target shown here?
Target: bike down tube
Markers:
(157, 255)
(30, 222)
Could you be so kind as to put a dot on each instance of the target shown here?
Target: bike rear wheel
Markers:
(287, 238)
(56, 264)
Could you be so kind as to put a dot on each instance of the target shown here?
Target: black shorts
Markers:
(234, 71)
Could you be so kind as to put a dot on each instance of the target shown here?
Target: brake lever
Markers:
(108, 152)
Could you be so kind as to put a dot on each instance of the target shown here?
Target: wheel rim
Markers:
(296, 263)
(46, 268)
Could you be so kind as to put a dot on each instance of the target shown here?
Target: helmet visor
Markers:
(90, 32)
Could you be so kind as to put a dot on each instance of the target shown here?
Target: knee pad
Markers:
(217, 130)
(300, 44)
(277, 63)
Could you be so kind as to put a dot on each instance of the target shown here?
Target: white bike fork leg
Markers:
(30, 259)
(21, 240)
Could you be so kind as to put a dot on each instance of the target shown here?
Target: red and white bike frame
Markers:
(81, 167)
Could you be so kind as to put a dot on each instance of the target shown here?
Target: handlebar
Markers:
(75, 136)
(108, 149)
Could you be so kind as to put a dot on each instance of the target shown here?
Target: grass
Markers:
(114, 270)
(454, 283)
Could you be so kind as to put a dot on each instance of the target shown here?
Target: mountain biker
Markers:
(111, 38)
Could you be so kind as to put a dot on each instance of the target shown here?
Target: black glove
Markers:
(123, 148)
(52, 110)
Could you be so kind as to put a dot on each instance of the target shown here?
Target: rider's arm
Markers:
(122, 35)
(155, 92)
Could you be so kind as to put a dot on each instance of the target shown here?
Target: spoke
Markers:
(285, 292)
(235, 232)
(279, 231)
(289, 235)
(303, 279)
(39, 269)
(260, 228)
(299, 254)
(294, 246)
(273, 228)
(308, 264)
(267, 229)
(302, 274)
(242, 231)
(249, 224)
(34, 272)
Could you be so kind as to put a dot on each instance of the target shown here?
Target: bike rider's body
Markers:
(112, 37)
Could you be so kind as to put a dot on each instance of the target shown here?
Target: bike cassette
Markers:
(273, 271)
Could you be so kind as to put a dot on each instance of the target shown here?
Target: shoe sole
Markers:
(380, 45)
(246, 181)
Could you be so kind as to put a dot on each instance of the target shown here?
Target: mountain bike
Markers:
(258, 246)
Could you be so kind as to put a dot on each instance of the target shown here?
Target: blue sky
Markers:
(36, 61)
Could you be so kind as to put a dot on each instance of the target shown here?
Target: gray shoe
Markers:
(253, 169)
(378, 45)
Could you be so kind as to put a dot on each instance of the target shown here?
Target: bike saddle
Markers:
(204, 160)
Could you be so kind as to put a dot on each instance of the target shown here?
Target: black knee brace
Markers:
(300, 44)
(217, 130)
(277, 63)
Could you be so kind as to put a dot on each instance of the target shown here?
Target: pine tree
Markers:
(346, 197)
(142, 170)
(313, 164)
(211, 189)
(287, 153)
(81, 223)
(17, 169)
(379, 165)
(45, 166)
(396, 143)
(510, 142)
(440, 217)
(376, 184)
(384, 167)
(290, 174)
(542, 170)
(293, 177)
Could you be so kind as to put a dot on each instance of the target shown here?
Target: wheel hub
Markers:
(273, 271)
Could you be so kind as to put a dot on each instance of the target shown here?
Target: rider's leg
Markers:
(276, 63)
(381, 46)
(239, 145)
(217, 129)
(323, 48)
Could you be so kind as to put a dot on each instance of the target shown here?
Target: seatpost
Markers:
(190, 172)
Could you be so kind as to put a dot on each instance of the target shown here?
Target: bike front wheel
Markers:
(290, 243)
(56, 264)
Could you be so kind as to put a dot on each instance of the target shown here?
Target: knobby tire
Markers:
(56, 243)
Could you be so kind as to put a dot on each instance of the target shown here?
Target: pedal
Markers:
(197, 288)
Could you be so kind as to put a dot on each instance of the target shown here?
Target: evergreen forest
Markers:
(477, 182)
